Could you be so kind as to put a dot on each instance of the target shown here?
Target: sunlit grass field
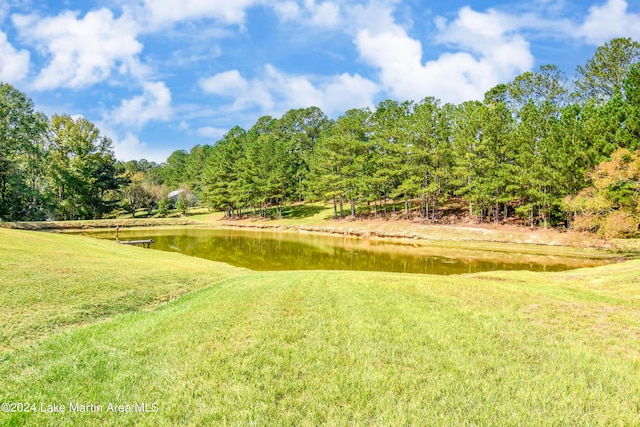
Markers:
(89, 322)
(50, 282)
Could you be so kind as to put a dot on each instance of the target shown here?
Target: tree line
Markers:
(541, 149)
(60, 167)
(527, 151)
(63, 168)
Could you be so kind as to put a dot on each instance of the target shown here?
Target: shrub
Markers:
(619, 224)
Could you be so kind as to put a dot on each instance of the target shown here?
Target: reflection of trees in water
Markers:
(261, 253)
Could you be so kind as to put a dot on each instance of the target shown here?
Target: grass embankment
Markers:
(49, 282)
(300, 348)
(97, 223)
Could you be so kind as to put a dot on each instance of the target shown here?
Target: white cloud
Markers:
(376, 16)
(274, 92)
(288, 10)
(246, 94)
(328, 12)
(489, 52)
(153, 104)
(160, 13)
(82, 51)
(4, 10)
(347, 91)
(607, 21)
(492, 37)
(131, 148)
(225, 83)
(14, 65)
(325, 14)
(212, 133)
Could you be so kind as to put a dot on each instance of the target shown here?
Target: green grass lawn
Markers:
(50, 282)
(91, 322)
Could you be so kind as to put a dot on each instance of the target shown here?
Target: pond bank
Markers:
(97, 223)
(421, 233)
(397, 231)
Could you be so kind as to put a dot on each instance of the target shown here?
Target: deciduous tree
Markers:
(83, 168)
(22, 157)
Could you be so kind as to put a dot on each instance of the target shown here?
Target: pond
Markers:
(259, 250)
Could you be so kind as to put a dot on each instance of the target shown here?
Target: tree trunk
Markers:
(435, 209)
(426, 208)
(4, 191)
(545, 208)
(531, 217)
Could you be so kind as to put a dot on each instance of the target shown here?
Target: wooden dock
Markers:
(145, 243)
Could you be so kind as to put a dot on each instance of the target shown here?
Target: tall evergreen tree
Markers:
(299, 130)
(603, 75)
(540, 97)
(389, 151)
(470, 164)
(222, 170)
(342, 154)
(174, 171)
(428, 151)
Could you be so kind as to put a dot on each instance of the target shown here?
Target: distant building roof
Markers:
(174, 194)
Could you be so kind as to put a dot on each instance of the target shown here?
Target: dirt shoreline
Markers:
(429, 232)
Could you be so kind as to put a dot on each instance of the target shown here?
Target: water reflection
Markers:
(293, 251)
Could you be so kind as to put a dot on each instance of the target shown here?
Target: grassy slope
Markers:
(97, 223)
(291, 348)
(51, 281)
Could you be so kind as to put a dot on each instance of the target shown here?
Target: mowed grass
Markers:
(331, 348)
(50, 281)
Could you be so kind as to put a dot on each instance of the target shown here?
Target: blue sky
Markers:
(161, 75)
